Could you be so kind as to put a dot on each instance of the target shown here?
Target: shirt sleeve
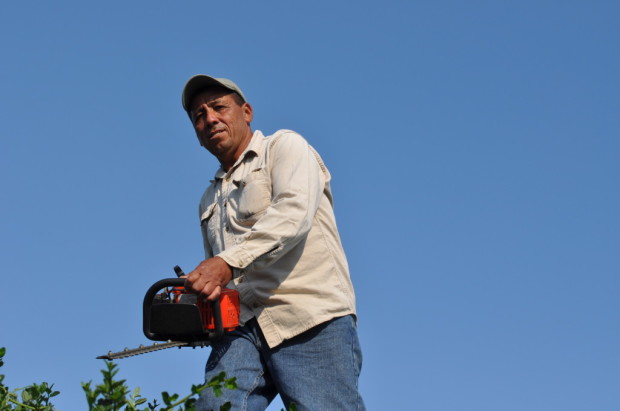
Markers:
(297, 183)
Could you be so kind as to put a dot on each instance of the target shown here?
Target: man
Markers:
(269, 231)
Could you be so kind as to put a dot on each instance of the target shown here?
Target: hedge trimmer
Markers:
(181, 319)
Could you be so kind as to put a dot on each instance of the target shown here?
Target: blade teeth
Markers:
(141, 350)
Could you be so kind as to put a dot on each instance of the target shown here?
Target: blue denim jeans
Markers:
(317, 370)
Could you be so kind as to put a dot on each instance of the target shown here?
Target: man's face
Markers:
(221, 124)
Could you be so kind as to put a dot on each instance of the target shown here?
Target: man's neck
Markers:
(228, 162)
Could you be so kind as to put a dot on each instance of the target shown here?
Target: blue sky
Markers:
(474, 148)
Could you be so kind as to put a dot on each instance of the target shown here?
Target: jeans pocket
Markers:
(218, 349)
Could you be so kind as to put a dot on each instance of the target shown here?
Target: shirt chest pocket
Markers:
(251, 197)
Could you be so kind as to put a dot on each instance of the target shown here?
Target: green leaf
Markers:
(231, 383)
(26, 396)
(217, 391)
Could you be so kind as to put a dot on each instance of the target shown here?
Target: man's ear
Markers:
(248, 113)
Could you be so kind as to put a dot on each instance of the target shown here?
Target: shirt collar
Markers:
(253, 148)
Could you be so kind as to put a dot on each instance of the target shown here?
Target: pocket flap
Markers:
(206, 215)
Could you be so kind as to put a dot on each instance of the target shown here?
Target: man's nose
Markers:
(211, 117)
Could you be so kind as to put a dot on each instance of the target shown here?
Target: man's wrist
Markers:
(228, 270)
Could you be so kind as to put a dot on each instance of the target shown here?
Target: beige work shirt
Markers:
(271, 218)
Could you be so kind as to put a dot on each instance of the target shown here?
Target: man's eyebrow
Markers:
(209, 103)
(215, 101)
(196, 110)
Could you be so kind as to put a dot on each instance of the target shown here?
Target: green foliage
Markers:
(115, 395)
(111, 394)
(33, 397)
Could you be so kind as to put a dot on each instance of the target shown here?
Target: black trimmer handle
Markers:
(176, 282)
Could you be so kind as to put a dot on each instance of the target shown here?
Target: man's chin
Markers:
(216, 149)
(214, 141)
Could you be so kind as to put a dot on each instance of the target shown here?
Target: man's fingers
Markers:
(208, 278)
(194, 283)
(210, 292)
(206, 289)
(215, 294)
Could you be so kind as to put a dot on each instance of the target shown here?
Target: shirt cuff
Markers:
(236, 257)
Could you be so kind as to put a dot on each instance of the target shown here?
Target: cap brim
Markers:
(200, 81)
(194, 85)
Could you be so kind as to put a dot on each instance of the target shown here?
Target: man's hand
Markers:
(208, 279)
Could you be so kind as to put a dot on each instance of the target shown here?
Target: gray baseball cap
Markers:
(201, 81)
